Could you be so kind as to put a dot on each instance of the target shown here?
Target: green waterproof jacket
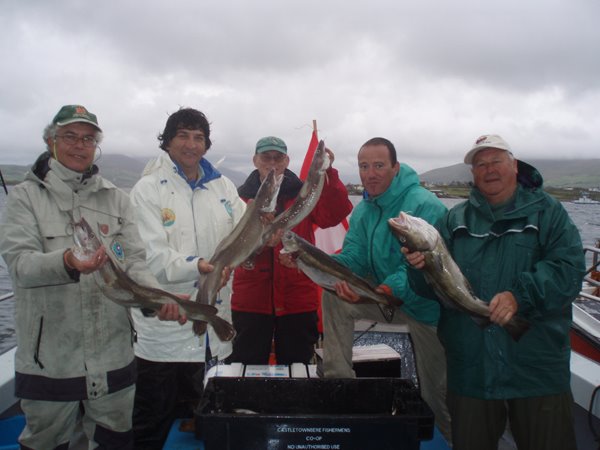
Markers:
(532, 249)
(371, 251)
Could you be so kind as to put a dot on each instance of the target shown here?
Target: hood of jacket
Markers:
(164, 162)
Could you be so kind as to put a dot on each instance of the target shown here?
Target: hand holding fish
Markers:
(415, 259)
(331, 156)
(287, 260)
(86, 266)
(171, 312)
(275, 238)
(346, 293)
(205, 267)
(503, 307)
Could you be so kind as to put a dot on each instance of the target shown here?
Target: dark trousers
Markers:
(164, 391)
(295, 336)
(537, 423)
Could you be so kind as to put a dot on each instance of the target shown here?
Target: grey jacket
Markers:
(72, 342)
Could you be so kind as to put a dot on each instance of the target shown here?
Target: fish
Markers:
(245, 238)
(117, 286)
(307, 197)
(325, 271)
(443, 274)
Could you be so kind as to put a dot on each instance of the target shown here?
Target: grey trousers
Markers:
(536, 423)
(106, 421)
(338, 336)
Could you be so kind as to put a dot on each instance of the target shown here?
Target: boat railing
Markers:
(591, 277)
(7, 296)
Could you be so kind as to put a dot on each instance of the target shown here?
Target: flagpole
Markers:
(315, 127)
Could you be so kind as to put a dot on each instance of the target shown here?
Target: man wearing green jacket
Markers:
(371, 251)
(522, 254)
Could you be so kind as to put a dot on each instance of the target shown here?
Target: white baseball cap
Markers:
(486, 141)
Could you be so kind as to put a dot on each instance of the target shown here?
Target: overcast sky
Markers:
(429, 75)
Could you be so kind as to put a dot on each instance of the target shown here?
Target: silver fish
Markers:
(115, 284)
(325, 271)
(243, 241)
(443, 274)
(308, 196)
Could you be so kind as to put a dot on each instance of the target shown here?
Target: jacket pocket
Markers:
(56, 235)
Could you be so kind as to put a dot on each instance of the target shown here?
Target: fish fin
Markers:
(516, 327)
(387, 311)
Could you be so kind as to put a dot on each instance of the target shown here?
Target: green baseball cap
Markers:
(75, 113)
(271, 143)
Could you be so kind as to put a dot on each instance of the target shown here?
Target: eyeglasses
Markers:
(277, 158)
(72, 139)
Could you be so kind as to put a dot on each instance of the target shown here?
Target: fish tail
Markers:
(516, 327)
(387, 311)
(223, 329)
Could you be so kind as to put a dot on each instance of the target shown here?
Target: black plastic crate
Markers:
(313, 413)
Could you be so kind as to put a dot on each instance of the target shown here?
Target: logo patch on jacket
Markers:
(168, 217)
(103, 228)
(117, 250)
(227, 206)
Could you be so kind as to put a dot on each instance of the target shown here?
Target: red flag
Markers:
(329, 240)
(312, 147)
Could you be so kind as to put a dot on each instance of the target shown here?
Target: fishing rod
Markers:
(3, 183)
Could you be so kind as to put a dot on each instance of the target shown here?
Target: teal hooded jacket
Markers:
(532, 249)
(371, 251)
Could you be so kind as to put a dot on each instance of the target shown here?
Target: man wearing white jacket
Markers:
(184, 208)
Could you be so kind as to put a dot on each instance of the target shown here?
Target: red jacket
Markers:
(270, 287)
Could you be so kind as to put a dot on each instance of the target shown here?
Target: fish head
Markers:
(86, 241)
(266, 197)
(413, 232)
(290, 242)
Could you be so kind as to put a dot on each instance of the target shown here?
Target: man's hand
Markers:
(503, 307)
(171, 311)
(88, 266)
(275, 238)
(287, 260)
(331, 156)
(415, 259)
(205, 267)
(346, 293)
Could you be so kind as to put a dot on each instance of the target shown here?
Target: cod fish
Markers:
(115, 284)
(243, 241)
(308, 196)
(325, 271)
(443, 274)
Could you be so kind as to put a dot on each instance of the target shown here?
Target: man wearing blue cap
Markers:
(273, 303)
(75, 352)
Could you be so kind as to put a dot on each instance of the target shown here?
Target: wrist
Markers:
(66, 259)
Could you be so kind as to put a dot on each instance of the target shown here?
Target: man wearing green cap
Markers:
(75, 352)
(273, 303)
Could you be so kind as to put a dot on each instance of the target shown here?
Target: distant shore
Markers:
(462, 191)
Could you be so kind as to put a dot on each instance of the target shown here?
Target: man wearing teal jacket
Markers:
(371, 251)
(521, 253)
